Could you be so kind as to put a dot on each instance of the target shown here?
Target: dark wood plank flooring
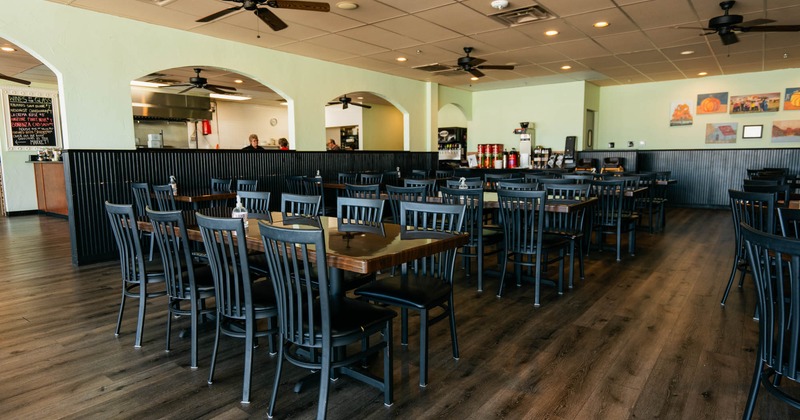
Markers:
(642, 338)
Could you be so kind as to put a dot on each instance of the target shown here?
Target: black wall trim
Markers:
(23, 213)
(94, 176)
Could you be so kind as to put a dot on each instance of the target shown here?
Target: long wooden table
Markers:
(346, 251)
(196, 199)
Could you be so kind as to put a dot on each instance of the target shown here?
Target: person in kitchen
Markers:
(283, 143)
(332, 145)
(253, 143)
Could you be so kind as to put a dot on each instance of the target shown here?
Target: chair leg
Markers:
(404, 326)
(140, 321)
(214, 352)
(169, 322)
(423, 348)
(502, 274)
(580, 259)
(537, 286)
(194, 320)
(249, 342)
(571, 262)
(731, 279)
(324, 383)
(388, 356)
(619, 243)
(479, 257)
(453, 335)
(277, 381)
(119, 317)
(754, 387)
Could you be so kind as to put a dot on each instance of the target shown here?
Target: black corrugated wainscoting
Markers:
(704, 176)
(94, 176)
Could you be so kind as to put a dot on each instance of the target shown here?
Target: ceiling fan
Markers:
(727, 25)
(347, 101)
(272, 20)
(472, 65)
(15, 80)
(202, 83)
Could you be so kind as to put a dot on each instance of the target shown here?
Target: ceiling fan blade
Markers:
(272, 20)
(214, 89)
(771, 28)
(476, 72)
(15, 80)
(754, 22)
(219, 14)
(334, 103)
(344, 105)
(362, 106)
(495, 67)
(186, 90)
(220, 87)
(696, 28)
(310, 6)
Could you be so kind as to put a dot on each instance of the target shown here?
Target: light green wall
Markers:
(383, 128)
(451, 115)
(557, 110)
(641, 111)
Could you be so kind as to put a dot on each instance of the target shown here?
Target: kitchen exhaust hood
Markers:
(154, 106)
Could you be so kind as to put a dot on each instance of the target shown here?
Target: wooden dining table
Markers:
(196, 199)
(362, 253)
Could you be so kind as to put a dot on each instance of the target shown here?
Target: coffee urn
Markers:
(526, 138)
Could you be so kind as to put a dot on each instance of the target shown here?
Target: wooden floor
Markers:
(642, 338)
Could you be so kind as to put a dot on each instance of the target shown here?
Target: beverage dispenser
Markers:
(526, 132)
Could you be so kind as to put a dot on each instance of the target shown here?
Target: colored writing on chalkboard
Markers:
(31, 120)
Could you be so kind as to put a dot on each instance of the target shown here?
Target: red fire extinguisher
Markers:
(206, 127)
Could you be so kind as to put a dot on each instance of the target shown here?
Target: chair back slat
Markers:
(141, 198)
(295, 206)
(362, 191)
(126, 235)
(256, 203)
(429, 184)
(221, 185)
(360, 215)
(165, 199)
(400, 194)
(169, 232)
(246, 185)
(370, 179)
(472, 199)
(522, 215)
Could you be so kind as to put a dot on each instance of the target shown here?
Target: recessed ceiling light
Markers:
(566, 67)
(238, 81)
(7, 49)
(601, 24)
(360, 98)
(702, 73)
(687, 52)
(401, 59)
(473, 78)
(551, 33)
(347, 5)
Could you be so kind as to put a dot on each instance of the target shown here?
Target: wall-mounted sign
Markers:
(31, 118)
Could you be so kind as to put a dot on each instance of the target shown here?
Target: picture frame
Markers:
(752, 131)
(472, 161)
(31, 118)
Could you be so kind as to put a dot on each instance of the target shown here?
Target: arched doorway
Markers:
(207, 108)
(364, 121)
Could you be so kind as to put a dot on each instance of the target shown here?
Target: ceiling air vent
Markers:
(522, 16)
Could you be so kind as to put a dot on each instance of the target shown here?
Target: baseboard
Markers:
(22, 213)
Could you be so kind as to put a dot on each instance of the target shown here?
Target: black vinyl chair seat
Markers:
(413, 292)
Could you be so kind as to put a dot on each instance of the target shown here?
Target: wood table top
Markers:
(198, 198)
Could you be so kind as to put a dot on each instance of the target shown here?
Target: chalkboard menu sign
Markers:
(31, 119)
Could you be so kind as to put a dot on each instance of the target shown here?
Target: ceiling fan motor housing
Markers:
(725, 20)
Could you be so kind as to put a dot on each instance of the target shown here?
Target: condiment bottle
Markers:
(240, 212)
(174, 184)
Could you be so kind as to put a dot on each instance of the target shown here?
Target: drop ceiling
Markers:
(641, 43)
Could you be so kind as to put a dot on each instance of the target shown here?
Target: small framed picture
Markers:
(752, 131)
(472, 161)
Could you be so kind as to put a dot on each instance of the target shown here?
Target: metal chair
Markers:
(186, 282)
(314, 186)
(346, 178)
(775, 264)
(419, 174)
(479, 238)
(444, 173)
(240, 302)
(221, 185)
(295, 206)
(423, 292)
(790, 222)
(400, 194)
(523, 216)
(294, 184)
(782, 192)
(470, 184)
(429, 184)
(610, 217)
(514, 185)
(362, 191)
(142, 200)
(569, 225)
(757, 210)
(256, 203)
(490, 180)
(246, 185)
(317, 323)
(370, 179)
(137, 273)
(164, 197)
